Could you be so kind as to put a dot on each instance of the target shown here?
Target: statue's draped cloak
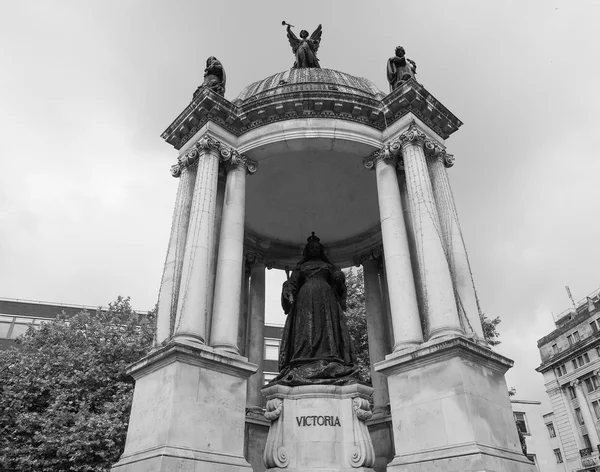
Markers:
(316, 345)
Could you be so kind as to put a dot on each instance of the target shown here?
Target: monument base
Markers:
(451, 411)
(318, 428)
(188, 412)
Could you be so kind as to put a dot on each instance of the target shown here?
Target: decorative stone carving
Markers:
(388, 151)
(228, 156)
(363, 453)
(412, 135)
(275, 454)
(372, 254)
(433, 149)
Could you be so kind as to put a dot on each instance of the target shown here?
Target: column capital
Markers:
(434, 150)
(575, 383)
(253, 257)
(390, 151)
(413, 135)
(371, 255)
(205, 143)
(240, 161)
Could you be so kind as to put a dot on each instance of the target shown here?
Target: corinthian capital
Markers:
(575, 383)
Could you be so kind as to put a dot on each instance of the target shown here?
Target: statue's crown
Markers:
(312, 238)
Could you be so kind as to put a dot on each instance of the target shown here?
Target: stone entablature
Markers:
(311, 93)
(569, 353)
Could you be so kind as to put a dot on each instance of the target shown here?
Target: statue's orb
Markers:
(311, 175)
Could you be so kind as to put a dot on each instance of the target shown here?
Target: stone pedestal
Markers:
(318, 428)
(188, 412)
(451, 411)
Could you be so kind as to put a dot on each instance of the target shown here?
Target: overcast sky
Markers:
(86, 88)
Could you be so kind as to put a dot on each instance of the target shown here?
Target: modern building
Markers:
(570, 365)
(543, 446)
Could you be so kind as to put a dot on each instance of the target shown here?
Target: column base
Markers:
(451, 411)
(319, 428)
(188, 412)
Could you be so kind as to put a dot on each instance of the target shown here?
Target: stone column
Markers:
(226, 308)
(256, 333)
(168, 295)
(376, 331)
(243, 328)
(193, 304)
(401, 286)
(454, 244)
(441, 316)
(588, 416)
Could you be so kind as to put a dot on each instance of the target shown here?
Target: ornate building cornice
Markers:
(227, 156)
(291, 101)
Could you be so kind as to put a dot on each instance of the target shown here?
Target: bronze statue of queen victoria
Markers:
(316, 347)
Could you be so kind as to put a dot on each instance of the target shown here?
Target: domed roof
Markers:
(297, 80)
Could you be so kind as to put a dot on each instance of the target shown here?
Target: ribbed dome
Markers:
(296, 80)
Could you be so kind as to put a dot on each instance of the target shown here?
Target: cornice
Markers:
(572, 351)
(411, 97)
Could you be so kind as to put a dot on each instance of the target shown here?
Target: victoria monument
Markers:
(311, 171)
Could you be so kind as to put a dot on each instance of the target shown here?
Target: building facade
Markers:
(543, 446)
(570, 365)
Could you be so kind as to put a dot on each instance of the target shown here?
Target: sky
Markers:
(86, 88)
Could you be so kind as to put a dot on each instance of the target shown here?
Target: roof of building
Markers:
(297, 80)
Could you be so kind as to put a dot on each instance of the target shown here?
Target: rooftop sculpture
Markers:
(305, 49)
(214, 77)
(400, 69)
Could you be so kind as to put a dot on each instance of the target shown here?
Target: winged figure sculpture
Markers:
(305, 48)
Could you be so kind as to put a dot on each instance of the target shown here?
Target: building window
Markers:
(575, 364)
(579, 415)
(562, 370)
(521, 422)
(598, 351)
(570, 339)
(586, 358)
(555, 349)
(589, 385)
(594, 326)
(586, 440)
(596, 406)
(576, 336)
(551, 431)
(558, 456)
(572, 393)
(268, 376)
(272, 349)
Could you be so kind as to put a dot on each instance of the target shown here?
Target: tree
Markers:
(490, 332)
(356, 317)
(65, 397)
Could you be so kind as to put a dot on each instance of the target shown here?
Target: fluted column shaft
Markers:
(441, 316)
(454, 244)
(169, 286)
(376, 331)
(226, 308)
(194, 295)
(588, 417)
(256, 333)
(401, 286)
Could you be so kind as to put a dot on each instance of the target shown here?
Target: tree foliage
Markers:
(356, 317)
(65, 397)
(490, 332)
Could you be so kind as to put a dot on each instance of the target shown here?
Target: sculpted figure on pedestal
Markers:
(400, 69)
(305, 49)
(316, 347)
(214, 77)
